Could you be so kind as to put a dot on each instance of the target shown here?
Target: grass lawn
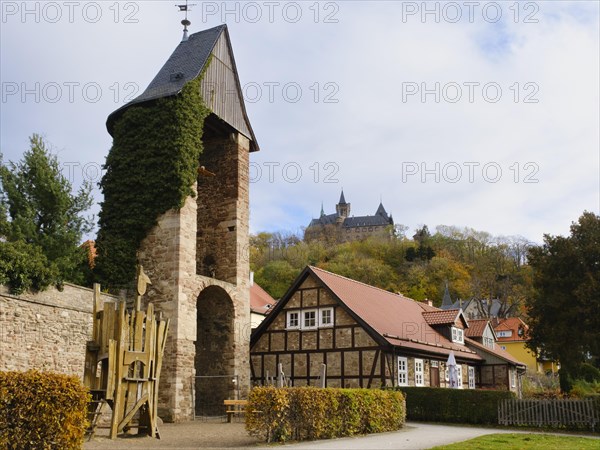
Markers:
(524, 441)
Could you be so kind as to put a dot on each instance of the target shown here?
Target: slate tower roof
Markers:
(186, 63)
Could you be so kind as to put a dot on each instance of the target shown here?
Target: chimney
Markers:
(429, 302)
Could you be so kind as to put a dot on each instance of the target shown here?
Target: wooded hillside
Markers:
(474, 263)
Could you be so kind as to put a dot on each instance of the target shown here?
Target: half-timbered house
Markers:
(366, 337)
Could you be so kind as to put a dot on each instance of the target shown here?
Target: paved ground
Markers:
(186, 435)
(412, 436)
(194, 435)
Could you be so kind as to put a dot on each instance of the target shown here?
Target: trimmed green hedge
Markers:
(302, 413)
(453, 405)
(42, 410)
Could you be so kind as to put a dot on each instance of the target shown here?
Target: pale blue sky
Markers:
(358, 124)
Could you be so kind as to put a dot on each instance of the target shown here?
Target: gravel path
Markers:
(195, 435)
(186, 435)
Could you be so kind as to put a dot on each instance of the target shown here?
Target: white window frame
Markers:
(505, 333)
(321, 323)
(471, 377)
(303, 317)
(458, 335)
(289, 326)
(459, 376)
(402, 371)
(513, 378)
(419, 372)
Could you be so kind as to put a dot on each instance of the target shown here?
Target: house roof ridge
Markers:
(360, 282)
(443, 310)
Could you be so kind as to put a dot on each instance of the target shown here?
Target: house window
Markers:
(457, 335)
(326, 317)
(507, 333)
(488, 342)
(513, 378)
(434, 364)
(459, 376)
(419, 378)
(503, 347)
(293, 319)
(309, 318)
(471, 377)
(402, 371)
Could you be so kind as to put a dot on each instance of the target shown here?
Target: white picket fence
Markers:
(557, 413)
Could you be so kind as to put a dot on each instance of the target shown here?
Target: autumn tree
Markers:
(276, 277)
(42, 222)
(564, 311)
(475, 264)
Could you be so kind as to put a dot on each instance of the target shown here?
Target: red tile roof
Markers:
(440, 317)
(512, 324)
(398, 319)
(476, 327)
(260, 300)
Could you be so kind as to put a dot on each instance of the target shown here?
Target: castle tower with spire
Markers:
(341, 226)
(342, 209)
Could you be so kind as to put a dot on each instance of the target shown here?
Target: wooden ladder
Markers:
(95, 410)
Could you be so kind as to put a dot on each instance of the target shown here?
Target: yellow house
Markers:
(511, 335)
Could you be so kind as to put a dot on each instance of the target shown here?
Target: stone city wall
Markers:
(46, 330)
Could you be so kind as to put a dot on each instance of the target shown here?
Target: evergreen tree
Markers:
(41, 222)
(564, 311)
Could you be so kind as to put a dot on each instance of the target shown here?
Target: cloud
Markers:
(352, 126)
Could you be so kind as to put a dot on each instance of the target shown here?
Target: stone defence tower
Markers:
(197, 257)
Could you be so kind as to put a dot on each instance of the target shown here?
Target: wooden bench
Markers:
(234, 408)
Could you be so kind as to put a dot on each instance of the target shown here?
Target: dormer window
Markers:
(458, 335)
(488, 342)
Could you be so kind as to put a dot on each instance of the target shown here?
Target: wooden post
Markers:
(280, 376)
(323, 376)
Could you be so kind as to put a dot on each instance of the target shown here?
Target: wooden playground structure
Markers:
(123, 363)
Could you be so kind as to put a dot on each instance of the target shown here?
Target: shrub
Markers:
(453, 405)
(541, 386)
(301, 413)
(566, 381)
(589, 373)
(584, 389)
(42, 410)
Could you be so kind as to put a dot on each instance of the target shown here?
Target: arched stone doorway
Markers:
(214, 361)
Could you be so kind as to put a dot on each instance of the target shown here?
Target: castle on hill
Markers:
(342, 227)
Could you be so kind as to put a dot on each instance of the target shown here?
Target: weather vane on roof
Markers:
(185, 22)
